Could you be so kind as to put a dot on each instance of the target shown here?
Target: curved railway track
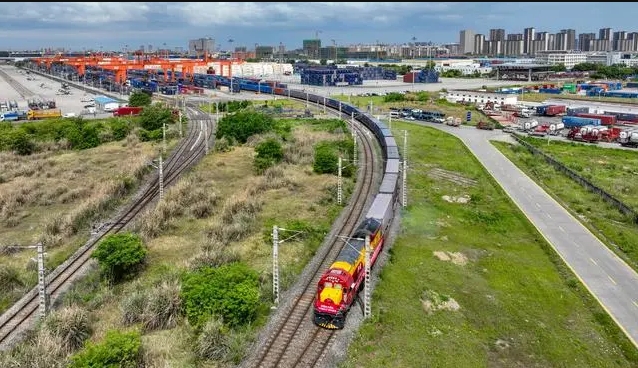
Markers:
(296, 340)
(22, 90)
(22, 315)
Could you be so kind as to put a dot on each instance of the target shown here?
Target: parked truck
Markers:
(628, 138)
(13, 116)
(485, 125)
(43, 114)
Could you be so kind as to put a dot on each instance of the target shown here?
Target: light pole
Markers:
(334, 44)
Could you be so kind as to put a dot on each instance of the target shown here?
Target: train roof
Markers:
(379, 206)
(390, 141)
(386, 132)
(392, 152)
(389, 183)
(392, 166)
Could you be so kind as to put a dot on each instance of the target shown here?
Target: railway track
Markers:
(22, 90)
(296, 340)
(15, 321)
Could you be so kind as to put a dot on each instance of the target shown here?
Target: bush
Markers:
(326, 160)
(154, 117)
(394, 97)
(120, 254)
(269, 153)
(9, 279)
(229, 291)
(118, 350)
(243, 124)
(21, 143)
(120, 128)
(70, 325)
(158, 308)
(212, 343)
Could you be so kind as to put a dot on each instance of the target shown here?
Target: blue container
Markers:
(632, 84)
(575, 121)
(571, 111)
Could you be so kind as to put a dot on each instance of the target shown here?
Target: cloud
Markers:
(112, 24)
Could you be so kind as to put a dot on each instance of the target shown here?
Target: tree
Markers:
(243, 124)
(21, 143)
(430, 64)
(155, 116)
(559, 68)
(119, 255)
(139, 98)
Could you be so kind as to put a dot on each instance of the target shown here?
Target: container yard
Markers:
(422, 76)
(44, 95)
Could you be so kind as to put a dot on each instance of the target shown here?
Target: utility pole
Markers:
(275, 264)
(180, 123)
(206, 135)
(42, 294)
(339, 183)
(161, 178)
(404, 178)
(217, 110)
(324, 105)
(354, 153)
(367, 308)
(164, 138)
(275, 260)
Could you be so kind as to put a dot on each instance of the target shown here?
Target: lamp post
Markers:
(334, 44)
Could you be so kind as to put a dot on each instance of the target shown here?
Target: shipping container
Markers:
(572, 111)
(575, 121)
(554, 110)
(604, 119)
(632, 84)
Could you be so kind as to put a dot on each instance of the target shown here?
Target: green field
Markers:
(613, 170)
(474, 284)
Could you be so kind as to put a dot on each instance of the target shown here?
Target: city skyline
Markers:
(113, 26)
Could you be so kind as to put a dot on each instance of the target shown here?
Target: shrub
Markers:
(118, 350)
(120, 129)
(70, 325)
(394, 97)
(153, 117)
(269, 153)
(139, 99)
(9, 279)
(326, 160)
(212, 343)
(120, 254)
(21, 143)
(155, 309)
(230, 291)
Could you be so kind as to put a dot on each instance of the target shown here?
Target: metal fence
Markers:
(623, 208)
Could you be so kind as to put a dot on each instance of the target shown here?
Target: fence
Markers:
(623, 208)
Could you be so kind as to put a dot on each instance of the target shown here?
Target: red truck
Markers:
(128, 111)
(604, 119)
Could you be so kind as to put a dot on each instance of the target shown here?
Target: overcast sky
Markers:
(114, 25)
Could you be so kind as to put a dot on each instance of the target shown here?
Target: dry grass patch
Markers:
(457, 258)
(433, 301)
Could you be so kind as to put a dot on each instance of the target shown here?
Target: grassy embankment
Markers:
(54, 197)
(474, 284)
(613, 170)
(220, 212)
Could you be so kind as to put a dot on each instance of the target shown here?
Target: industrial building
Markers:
(200, 46)
(479, 97)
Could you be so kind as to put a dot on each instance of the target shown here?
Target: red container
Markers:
(554, 110)
(408, 78)
(604, 119)
(128, 110)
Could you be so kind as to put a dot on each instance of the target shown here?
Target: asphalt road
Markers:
(608, 278)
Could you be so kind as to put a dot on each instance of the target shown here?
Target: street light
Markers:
(334, 44)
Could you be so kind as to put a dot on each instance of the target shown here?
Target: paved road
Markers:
(612, 282)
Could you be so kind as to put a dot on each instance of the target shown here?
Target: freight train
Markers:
(339, 284)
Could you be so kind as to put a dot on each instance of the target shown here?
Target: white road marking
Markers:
(594, 262)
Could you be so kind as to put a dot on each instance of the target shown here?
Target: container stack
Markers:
(422, 76)
(376, 73)
(330, 77)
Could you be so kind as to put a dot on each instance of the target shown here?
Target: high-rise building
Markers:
(570, 34)
(584, 41)
(617, 38)
(605, 34)
(466, 41)
(528, 37)
(311, 47)
(560, 41)
(515, 37)
(497, 34)
(201, 46)
(479, 44)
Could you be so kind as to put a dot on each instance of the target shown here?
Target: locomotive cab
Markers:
(334, 297)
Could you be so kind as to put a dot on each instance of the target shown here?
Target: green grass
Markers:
(611, 169)
(519, 304)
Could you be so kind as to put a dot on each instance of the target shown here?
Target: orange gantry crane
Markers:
(120, 65)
